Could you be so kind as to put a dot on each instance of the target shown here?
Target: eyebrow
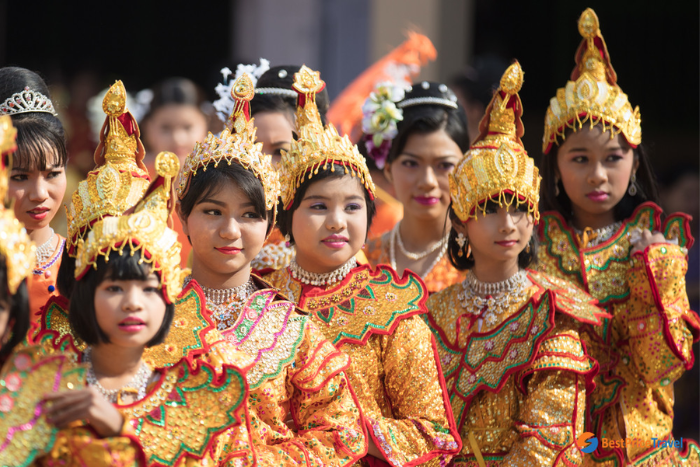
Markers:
(277, 143)
(248, 204)
(419, 157)
(326, 198)
(27, 170)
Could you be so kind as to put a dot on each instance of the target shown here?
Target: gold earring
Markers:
(469, 251)
(527, 248)
(632, 190)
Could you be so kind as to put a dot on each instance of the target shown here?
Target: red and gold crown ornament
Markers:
(119, 179)
(18, 251)
(315, 145)
(145, 231)
(497, 167)
(592, 95)
(235, 144)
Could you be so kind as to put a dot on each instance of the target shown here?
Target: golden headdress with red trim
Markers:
(120, 178)
(592, 94)
(145, 231)
(19, 251)
(497, 167)
(235, 144)
(316, 146)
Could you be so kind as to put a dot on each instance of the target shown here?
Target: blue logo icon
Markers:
(587, 443)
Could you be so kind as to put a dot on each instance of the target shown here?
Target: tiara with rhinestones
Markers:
(592, 94)
(27, 101)
(497, 167)
(426, 100)
(317, 146)
(235, 144)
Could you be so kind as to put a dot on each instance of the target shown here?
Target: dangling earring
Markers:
(556, 186)
(527, 248)
(461, 241)
(469, 251)
(287, 241)
(632, 190)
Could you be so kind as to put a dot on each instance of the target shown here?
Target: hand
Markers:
(88, 404)
(647, 238)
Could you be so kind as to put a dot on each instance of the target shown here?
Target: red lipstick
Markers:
(426, 200)
(507, 243)
(39, 213)
(598, 196)
(132, 324)
(335, 241)
(229, 250)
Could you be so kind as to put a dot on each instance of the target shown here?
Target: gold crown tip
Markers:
(167, 164)
(243, 88)
(512, 79)
(114, 102)
(588, 24)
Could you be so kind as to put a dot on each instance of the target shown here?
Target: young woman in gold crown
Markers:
(372, 315)
(603, 232)
(38, 178)
(25, 433)
(302, 408)
(516, 369)
(417, 137)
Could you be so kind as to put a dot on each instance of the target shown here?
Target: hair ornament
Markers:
(380, 116)
(497, 167)
(592, 95)
(317, 146)
(27, 101)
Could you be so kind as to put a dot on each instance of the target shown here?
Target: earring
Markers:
(527, 248)
(461, 241)
(632, 190)
(556, 186)
(469, 251)
(287, 241)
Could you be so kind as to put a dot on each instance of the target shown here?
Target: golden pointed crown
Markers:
(315, 145)
(497, 167)
(119, 179)
(235, 144)
(145, 230)
(19, 251)
(592, 95)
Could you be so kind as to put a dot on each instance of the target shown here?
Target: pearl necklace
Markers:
(138, 382)
(327, 278)
(225, 304)
(492, 298)
(600, 235)
(394, 236)
(44, 251)
(410, 254)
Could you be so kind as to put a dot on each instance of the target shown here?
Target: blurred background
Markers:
(80, 48)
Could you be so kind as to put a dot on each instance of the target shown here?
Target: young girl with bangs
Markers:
(604, 233)
(302, 408)
(38, 178)
(517, 371)
(370, 314)
(417, 137)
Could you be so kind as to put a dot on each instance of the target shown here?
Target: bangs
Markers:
(127, 267)
(38, 148)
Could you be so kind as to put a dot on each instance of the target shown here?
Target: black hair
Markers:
(284, 218)
(180, 91)
(427, 118)
(124, 266)
(210, 179)
(36, 131)
(283, 77)
(19, 312)
(462, 263)
(479, 81)
(65, 280)
(646, 186)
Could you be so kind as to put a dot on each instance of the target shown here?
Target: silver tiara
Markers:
(277, 91)
(427, 100)
(27, 101)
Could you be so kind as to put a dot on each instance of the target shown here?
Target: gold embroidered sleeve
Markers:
(551, 415)
(328, 427)
(421, 430)
(79, 446)
(660, 320)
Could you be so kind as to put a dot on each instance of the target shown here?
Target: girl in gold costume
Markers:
(516, 369)
(371, 314)
(301, 405)
(604, 234)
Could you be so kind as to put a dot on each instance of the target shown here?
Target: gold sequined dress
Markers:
(189, 417)
(646, 345)
(517, 384)
(296, 375)
(440, 277)
(374, 316)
